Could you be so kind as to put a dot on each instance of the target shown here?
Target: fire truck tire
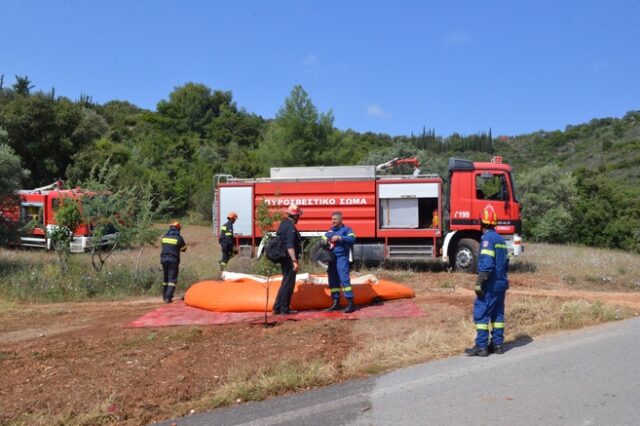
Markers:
(466, 259)
(323, 265)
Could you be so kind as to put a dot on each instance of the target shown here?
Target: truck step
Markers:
(33, 242)
(409, 252)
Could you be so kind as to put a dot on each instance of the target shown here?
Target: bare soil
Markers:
(69, 359)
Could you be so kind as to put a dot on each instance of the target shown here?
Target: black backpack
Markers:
(275, 250)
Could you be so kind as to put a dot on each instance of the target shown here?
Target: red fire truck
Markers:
(36, 211)
(396, 217)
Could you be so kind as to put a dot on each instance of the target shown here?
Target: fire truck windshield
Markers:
(490, 186)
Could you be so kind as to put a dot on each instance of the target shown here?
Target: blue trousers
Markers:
(489, 309)
(339, 278)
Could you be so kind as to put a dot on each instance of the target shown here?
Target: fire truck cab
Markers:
(395, 217)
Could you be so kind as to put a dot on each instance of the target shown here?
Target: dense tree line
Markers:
(569, 181)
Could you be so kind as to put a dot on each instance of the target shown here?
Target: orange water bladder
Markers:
(248, 293)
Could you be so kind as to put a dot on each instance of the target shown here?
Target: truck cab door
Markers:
(494, 188)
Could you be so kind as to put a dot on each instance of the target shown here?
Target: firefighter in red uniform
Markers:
(172, 245)
(491, 287)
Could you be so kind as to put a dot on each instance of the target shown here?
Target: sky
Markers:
(392, 67)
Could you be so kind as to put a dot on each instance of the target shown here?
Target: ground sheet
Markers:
(177, 313)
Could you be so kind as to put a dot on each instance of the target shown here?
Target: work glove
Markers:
(481, 284)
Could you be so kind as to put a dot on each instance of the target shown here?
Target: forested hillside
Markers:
(577, 185)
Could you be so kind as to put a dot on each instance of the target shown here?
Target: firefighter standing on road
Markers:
(288, 232)
(491, 287)
(226, 240)
(340, 239)
(172, 245)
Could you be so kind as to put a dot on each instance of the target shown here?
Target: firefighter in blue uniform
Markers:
(226, 240)
(172, 245)
(340, 239)
(491, 287)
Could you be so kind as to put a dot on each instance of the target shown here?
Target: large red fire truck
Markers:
(395, 217)
(35, 211)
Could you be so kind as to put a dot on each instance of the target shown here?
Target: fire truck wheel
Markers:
(467, 255)
(323, 265)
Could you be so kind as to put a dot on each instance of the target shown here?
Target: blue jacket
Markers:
(494, 259)
(226, 236)
(172, 245)
(344, 244)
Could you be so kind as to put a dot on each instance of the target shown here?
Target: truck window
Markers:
(32, 214)
(492, 186)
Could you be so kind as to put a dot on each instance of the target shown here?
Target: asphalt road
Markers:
(585, 377)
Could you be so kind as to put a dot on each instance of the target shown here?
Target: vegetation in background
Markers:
(69, 217)
(127, 211)
(549, 198)
(578, 185)
(11, 173)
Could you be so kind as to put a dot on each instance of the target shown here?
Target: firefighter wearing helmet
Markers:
(172, 245)
(491, 286)
(226, 240)
(290, 237)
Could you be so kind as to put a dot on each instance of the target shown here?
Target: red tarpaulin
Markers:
(178, 313)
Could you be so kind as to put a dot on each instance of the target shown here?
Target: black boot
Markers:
(164, 292)
(335, 306)
(495, 349)
(476, 351)
(169, 294)
(350, 308)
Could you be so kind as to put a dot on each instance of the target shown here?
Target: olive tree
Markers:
(123, 213)
(11, 174)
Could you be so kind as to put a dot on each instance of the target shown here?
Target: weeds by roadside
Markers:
(290, 375)
(393, 349)
(536, 315)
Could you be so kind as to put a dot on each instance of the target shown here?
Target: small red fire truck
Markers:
(395, 217)
(36, 210)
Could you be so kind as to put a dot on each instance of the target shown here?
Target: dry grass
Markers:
(102, 414)
(290, 375)
(582, 267)
(6, 306)
(386, 346)
(532, 316)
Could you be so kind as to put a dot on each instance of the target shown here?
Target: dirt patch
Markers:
(77, 363)
(84, 359)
